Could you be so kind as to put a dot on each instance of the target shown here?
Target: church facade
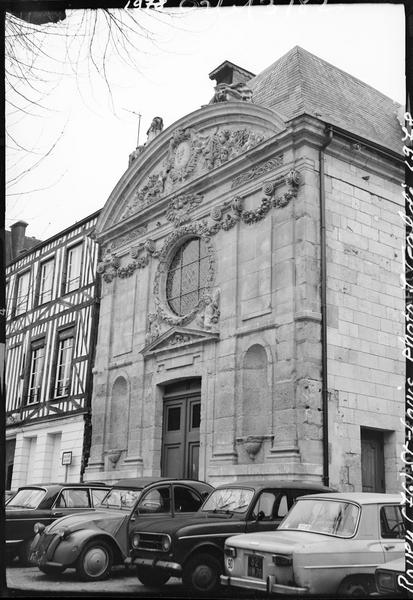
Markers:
(251, 305)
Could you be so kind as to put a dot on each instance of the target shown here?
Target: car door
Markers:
(269, 509)
(392, 531)
(185, 499)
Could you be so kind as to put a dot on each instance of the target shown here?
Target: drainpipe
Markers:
(323, 268)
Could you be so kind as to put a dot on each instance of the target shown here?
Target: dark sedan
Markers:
(44, 503)
(193, 547)
(93, 541)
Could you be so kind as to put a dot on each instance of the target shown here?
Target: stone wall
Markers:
(365, 236)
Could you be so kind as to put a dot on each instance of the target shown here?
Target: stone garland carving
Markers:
(179, 208)
(109, 266)
(186, 148)
(255, 172)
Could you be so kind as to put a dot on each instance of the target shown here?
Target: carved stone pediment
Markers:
(178, 337)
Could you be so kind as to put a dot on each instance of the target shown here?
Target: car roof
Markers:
(259, 484)
(359, 497)
(50, 486)
(142, 482)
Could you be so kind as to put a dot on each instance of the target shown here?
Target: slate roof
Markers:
(301, 83)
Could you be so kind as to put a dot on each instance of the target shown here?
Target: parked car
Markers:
(193, 548)
(388, 576)
(44, 503)
(92, 542)
(328, 544)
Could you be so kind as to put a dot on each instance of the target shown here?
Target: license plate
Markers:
(255, 566)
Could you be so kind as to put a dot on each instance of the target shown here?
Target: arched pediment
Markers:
(193, 146)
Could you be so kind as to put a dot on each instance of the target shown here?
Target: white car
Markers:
(327, 544)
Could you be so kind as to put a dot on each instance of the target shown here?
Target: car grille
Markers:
(151, 541)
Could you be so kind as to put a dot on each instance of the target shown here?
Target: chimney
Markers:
(229, 73)
(18, 235)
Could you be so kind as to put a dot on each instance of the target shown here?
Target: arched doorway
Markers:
(180, 431)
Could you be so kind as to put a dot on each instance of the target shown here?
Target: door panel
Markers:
(180, 445)
(372, 461)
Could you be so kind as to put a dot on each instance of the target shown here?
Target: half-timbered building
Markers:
(251, 305)
(52, 314)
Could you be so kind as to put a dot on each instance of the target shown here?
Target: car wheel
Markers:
(357, 587)
(95, 561)
(202, 574)
(152, 577)
(51, 570)
(24, 553)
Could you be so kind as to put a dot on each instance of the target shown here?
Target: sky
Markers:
(66, 153)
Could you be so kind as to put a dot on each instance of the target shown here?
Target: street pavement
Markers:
(29, 582)
(25, 581)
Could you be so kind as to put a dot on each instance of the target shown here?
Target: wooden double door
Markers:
(181, 425)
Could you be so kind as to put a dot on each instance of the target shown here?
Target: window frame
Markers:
(39, 300)
(68, 332)
(202, 257)
(19, 277)
(34, 346)
(65, 279)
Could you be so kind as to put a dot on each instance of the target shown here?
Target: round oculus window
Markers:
(187, 276)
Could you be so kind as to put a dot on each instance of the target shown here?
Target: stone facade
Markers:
(246, 182)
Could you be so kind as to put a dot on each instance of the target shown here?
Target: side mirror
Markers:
(260, 516)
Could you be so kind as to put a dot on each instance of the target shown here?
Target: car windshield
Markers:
(28, 498)
(228, 500)
(120, 499)
(323, 516)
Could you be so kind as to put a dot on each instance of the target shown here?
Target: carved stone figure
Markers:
(155, 129)
(153, 328)
(230, 92)
(134, 155)
(211, 313)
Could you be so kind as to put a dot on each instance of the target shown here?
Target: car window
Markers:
(185, 500)
(156, 500)
(73, 499)
(281, 507)
(391, 522)
(265, 504)
(27, 498)
(98, 495)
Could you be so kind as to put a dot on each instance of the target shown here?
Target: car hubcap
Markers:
(204, 577)
(95, 562)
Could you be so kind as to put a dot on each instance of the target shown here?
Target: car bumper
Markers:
(170, 566)
(268, 586)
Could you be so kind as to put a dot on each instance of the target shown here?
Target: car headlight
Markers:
(230, 551)
(63, 532)
(166, 543)
(135, 540)
(386, 581)
(282, 560)
(39, 527)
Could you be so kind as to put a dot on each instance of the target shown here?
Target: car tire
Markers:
(201, 574)
(51, 570)
(152, 577)
(95, 561)
(24, 553)
(357, 587)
